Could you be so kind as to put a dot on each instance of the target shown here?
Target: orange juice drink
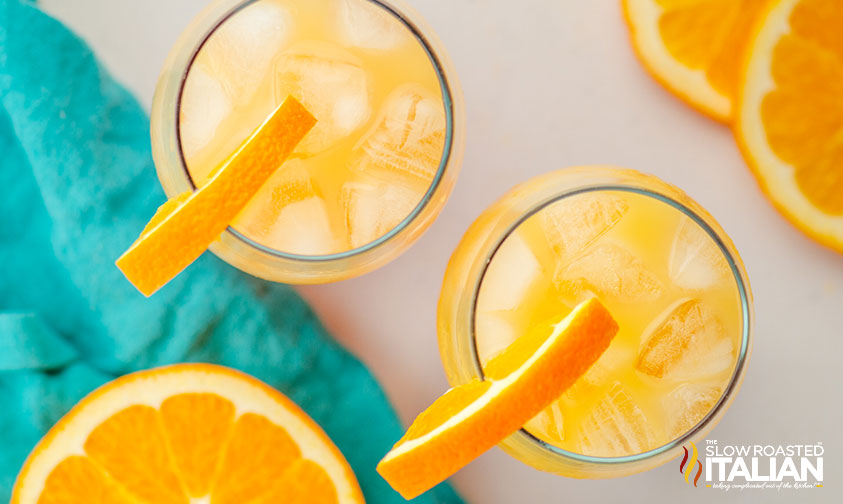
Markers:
(661, 265)
(373, 172)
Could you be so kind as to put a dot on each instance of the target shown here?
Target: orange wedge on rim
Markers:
(789, 121)
(694, 47)
(186, 434)
(520, 382)
(186, 225)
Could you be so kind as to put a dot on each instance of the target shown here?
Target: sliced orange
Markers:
(694, 47)
(520, 382)
(790, 117)
(186, 434)
(186, 225)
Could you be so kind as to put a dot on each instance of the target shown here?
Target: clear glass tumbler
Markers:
(276, 265)
(469, 263)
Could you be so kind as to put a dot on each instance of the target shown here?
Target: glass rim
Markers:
(444, 162)
(746, 314)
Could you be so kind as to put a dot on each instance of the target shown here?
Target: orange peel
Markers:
(520, 382)
(183, 227)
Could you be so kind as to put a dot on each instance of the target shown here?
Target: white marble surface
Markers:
(550, 84)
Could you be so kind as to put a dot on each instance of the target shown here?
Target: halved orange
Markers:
(186, 225)
(520, 382)
(186, 434)
(790, 117)
(694, 47)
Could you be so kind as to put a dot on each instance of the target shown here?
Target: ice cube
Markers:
(493, 334)
(331, 83)
(591, 386)
(573, 223)
(696, 262)
(288, 214)
(709, 358)
(204, 105)
(373, 208)
(369, 26)
(408, 139)
(601, 374)
(290, 183)
(241, 51)
(688, 341)
(615, 426)
(608, 270)
(304, 228)
(548, 425)
(513, 270)
(686, 405)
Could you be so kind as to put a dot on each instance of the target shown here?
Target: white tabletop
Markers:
(548, 85)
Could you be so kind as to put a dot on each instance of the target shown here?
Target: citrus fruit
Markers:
(694, 47)
(519, 382)
(789, 120)
(186, 225)
(186, 434)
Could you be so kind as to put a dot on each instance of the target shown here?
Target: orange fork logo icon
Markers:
(689, 463)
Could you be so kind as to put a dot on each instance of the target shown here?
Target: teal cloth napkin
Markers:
(77, 185)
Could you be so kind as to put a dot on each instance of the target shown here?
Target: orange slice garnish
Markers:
(185, 226)
(520, 382)
(186, 434)
(694, 47)
(790, 115)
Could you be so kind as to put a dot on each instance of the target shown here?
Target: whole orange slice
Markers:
(694, 47)
(186, 434)
(790, 116)
(186, 225)
(520, 382)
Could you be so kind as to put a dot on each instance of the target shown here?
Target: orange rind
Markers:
(519, 383)
(185, 226)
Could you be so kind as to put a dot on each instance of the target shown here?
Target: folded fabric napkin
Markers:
(77, 185)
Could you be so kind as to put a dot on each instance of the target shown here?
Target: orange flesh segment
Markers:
(304, 482)
(803, 114)
(259, 452)
(709, 35)
(197, 446)
(131, 446)
(454, 401)
(521, 381)
(180, 231)
(77, 480)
